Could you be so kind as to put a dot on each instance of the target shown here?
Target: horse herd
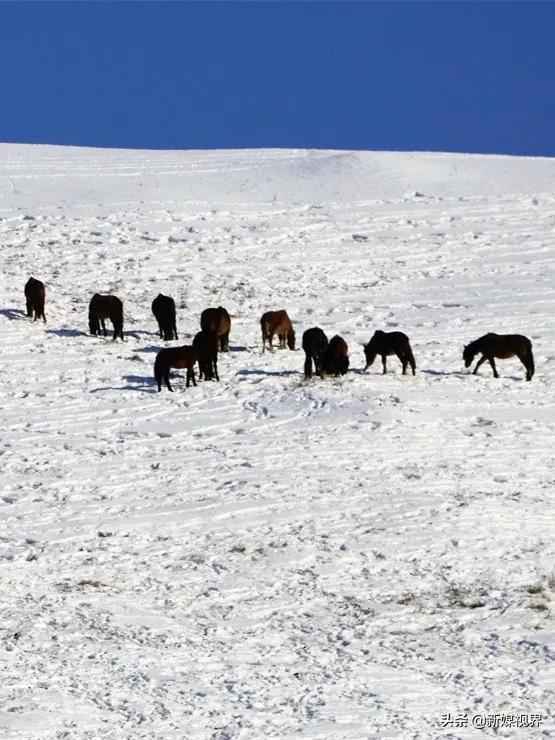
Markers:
(321, 356)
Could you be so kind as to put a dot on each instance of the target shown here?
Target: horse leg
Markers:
(167, 380)
(403, 360)
(29, 307)
(191, 375)
(215, 368)
(308, 367)
(480, 362)
(528, 362)
(492, 363)
(384, 365)
(225, 342)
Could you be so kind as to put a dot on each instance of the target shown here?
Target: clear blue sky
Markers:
(449, 76)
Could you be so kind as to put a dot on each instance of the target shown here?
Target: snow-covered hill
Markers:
(267, 556)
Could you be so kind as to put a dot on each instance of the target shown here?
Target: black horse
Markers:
(315, 343)
(206, 346)
(104, 307)
(178, 357)
(502, 346)
(390, 343)
(217, 321)
(336, 357)
(163, 308)
(34, 298)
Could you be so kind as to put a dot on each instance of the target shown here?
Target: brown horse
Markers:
(178, 357)
(390, 343)
(336, 357)
(104, 307)
(34, 298)
(502, 346)
(277, 322)
(163, 308)
(217, 321)
(206, 346)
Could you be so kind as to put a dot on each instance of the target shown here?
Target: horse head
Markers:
(468, 355)
(291, 339)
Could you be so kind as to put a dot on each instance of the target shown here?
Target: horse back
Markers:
(34, 289)
(276, 322)
(178, 357)
(314, 341)
(215, 320)
(106, 306)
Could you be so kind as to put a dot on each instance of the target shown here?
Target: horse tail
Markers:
(158, 370)
(410, 356)
(531, 366)
(94, 326)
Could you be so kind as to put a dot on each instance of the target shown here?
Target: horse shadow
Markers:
(150, 348)
(67, 332)
(140, 383)
(137, 333)
(275, 373)
(13, 314)
(456, 373)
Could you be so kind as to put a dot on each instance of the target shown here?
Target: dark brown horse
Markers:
(502, 346)
(163, 308)
(277, 322)
(178, 357)
(336, 357)
(217, 321)
(390, 343)
(34, 298)
(315, 343)
(104, 307)
(206, 347)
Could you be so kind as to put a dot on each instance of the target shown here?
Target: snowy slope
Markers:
(270, 557)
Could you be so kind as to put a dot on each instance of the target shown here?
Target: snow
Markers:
(268, 556)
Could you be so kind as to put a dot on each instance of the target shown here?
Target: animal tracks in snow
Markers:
(338, 558)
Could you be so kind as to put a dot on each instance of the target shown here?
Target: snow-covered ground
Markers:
(270, 557)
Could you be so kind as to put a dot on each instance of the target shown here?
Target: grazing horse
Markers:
(177, 357)
(217, 321)
(336, 358)
(501, 346)
(390, 343)
(315, 343)
(163, 308)
(206, 347)
(34, 298)
(104, 307)
(277, 322)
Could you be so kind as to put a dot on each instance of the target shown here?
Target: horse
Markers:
(336, 357)
(390, 343)
(163, 308)
(177, 357)
(34, 298)
(217, 321)
(315, 343)
(277, 322)
(502, 346)
(206, 347)
(104, 307)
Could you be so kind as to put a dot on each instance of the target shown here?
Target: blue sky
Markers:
(443, 76)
